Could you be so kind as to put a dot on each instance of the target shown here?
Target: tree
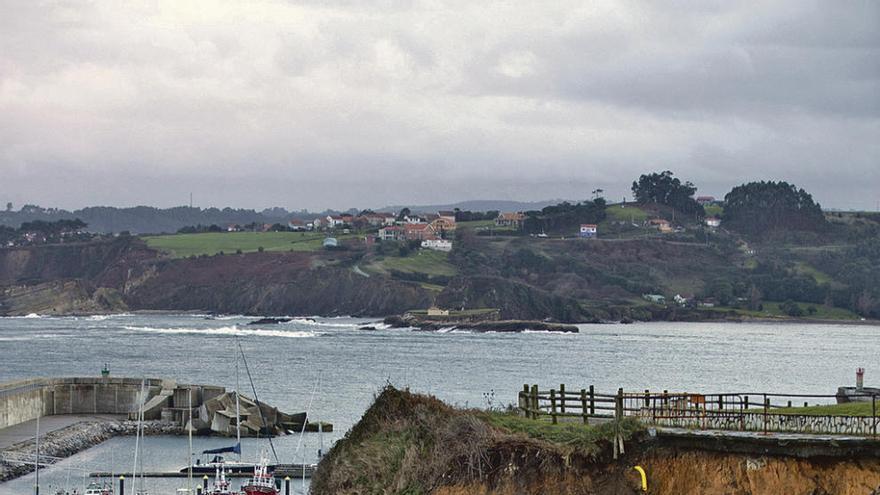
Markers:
(403, 213)
(9, 206)
(665, 189)
(759, 208)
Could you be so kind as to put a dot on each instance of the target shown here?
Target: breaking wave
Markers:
(233, 330)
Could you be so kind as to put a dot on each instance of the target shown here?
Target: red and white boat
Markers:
(263, 483)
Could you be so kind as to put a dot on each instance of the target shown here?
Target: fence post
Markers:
(746, 404)
(665, 397)
(618, 405)
(535, 409)
(720, 402)
(562, 398)
(592, 401)
(789, 404)
(553, 405)
(584, 405)
(874, 413)
(524, 399)
(647, 398)
(766, 411)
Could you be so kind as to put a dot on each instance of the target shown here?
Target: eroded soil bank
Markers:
(413, 444)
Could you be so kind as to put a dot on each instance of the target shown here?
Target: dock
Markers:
(281, 471)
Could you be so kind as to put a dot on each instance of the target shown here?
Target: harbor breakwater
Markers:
(211, 408)
(18, 460)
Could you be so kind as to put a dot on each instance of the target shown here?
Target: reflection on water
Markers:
(337, 368)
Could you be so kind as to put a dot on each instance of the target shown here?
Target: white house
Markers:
(437, 244)
(713, 222)
(588, 230)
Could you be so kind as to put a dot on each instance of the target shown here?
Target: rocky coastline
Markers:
(76, 438)
(500, 326)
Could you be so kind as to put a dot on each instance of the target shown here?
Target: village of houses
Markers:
(434, 230)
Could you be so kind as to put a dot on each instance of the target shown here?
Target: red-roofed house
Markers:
(391, 233)
(419, 231)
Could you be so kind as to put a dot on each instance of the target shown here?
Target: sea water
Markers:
(332, 368)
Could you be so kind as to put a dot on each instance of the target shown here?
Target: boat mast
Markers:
(189, 427)
(37, 458)
(237, 410)
(137, 436)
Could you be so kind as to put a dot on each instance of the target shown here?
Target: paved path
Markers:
(25, 431)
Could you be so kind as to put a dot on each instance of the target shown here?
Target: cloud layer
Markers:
(337, 104)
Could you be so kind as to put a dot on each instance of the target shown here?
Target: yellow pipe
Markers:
(644, 478)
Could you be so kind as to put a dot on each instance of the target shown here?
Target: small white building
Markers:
(713, 222)
(588, 230)
(435, 311)
(437, 244)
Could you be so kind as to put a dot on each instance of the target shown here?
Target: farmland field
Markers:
(423, 261)
(183, 245)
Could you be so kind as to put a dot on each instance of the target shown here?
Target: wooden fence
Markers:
(759, 412)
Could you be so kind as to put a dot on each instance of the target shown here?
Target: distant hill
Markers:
(151, 220)
(478, 205)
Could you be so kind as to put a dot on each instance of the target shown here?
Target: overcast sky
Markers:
(343, 104)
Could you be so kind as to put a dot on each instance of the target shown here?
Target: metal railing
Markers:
(747, 411)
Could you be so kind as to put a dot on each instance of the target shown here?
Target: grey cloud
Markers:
(371, 103)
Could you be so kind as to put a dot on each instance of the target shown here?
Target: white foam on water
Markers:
(548, 332)
(233, 330)
(25, 338)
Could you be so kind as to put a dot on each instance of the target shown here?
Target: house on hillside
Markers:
(713, 222)
(448, 215)
(415, 219)
(378, 219)
(654, 298)
(588, 230)
(443, 224)
(233, 228)
(705, 200)
(334, 221)
(330, 243)
(296, 225)
(437, 245)
(510, 219)
(661, 224)
(391, 233)
(419, 232)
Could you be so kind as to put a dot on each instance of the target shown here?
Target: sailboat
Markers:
(138, 444)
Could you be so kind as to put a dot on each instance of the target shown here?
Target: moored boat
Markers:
(263, 482)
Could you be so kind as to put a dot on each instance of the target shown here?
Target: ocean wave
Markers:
(25, 338)
(233, 330)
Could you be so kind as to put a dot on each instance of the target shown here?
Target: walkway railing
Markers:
(758, 412)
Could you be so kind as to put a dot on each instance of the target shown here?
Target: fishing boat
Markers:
(96, 488)
(263, 482)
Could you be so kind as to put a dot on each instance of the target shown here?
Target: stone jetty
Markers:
(73, 439)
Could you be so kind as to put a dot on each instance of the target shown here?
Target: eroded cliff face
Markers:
(411, 444)
(124, 274)
(272, 283)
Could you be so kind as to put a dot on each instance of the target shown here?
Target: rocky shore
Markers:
(500, 326)
(76, 438)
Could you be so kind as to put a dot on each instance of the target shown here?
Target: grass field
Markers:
(483, 225)
(615, 213)
(423, 261)
(183, 245)
(848, 409)
(577, 436)
(713, 210)
(773, 310)
(819, 277)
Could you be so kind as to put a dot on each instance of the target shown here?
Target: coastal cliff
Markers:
(413, 444)
(124, 274)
